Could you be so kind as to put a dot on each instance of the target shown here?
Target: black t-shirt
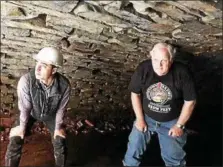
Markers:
(163, 96)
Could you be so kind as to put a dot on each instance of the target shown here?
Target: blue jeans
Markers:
(171, 147)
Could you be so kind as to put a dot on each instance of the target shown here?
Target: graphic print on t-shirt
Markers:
(158, 95)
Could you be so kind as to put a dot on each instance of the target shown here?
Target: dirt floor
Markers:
(37, 151)
(83, 149)
(95, 149)
(103, 146)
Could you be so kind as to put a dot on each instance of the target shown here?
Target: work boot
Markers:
(59, 151)
(14, 151)
(12, 162)
(59, 160)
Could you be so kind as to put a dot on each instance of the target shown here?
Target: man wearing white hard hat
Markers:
(43, 95)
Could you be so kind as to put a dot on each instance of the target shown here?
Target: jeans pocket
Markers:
(134, 126)
(137, 129)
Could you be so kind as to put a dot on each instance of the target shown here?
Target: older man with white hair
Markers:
(163, 98)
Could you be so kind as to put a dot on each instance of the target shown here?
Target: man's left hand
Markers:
(59, 132)
(175, 131)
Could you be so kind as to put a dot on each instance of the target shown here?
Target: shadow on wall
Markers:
(203, 149)
(206, 148)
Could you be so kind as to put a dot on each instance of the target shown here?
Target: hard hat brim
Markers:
(51, 63)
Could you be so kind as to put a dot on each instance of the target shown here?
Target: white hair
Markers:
(170, 48)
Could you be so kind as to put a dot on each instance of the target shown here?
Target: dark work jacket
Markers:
(45, 108)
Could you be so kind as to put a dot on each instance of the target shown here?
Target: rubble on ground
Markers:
(72, 125)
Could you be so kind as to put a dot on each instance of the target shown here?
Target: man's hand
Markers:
(175, 131)
(59, 132)
(141, 125)
(17, 131)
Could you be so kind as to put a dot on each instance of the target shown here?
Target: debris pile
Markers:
(101, 126)
(72, 125)
(76, 125)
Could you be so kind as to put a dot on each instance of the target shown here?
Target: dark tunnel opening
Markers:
(204, 145)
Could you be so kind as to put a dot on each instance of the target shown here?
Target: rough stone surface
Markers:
(102, 42)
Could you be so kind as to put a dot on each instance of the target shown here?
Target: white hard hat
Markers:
(50, 55)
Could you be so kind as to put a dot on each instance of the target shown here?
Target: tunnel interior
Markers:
(102, 43)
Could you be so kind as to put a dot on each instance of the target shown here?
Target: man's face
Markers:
(43, 71)
(161, 61)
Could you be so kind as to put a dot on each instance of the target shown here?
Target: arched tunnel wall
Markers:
(102, 48)
(102, 43)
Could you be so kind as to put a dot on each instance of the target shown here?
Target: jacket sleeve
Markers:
(24, 100)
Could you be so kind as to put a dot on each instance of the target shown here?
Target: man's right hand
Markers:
(17, 131)
(141, 125)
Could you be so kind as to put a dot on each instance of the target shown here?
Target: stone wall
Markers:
(102, 43)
